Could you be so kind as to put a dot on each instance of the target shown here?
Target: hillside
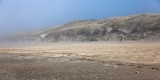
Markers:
(145, 27)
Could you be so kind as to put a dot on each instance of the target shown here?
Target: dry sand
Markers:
(80, 61)
(148, 53)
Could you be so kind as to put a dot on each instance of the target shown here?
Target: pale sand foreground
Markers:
(148, 53)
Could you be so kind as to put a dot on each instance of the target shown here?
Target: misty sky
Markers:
(19, 15)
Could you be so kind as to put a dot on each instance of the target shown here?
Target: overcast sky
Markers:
(19, 15)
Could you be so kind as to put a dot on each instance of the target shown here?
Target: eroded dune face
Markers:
(144, 27)
(130, 28)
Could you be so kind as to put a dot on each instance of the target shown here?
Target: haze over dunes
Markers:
(144, 27)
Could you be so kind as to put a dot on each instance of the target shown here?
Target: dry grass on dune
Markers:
(123, 52)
